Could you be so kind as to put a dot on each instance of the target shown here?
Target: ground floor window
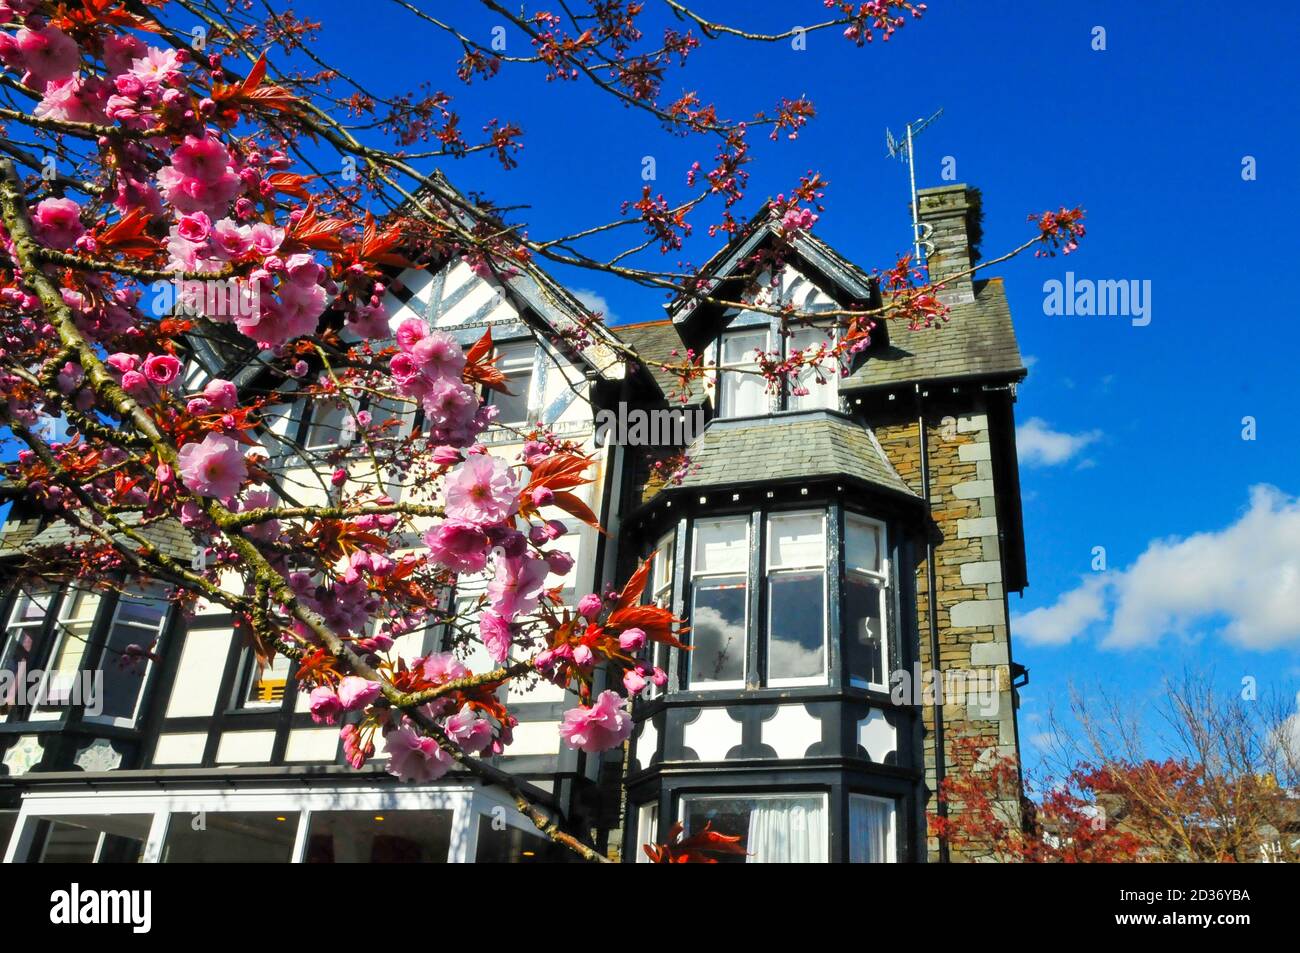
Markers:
(871, 829)
(774, 828)
(454, 822)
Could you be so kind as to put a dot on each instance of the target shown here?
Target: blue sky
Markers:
(1138, 432)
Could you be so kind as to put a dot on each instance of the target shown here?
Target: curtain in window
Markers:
(787, 831)
(869, 824)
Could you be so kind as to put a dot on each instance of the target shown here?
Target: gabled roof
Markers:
(852, 281)
(811, 444)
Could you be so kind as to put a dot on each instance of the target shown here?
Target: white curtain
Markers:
(870, 824)
(787, 831)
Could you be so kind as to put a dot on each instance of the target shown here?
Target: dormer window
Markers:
(742, 391)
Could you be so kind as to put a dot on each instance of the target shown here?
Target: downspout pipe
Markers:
(932, 615)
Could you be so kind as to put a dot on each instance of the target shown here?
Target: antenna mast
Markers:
(902, 150)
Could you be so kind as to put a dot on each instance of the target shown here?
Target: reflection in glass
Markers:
(263, 837)
(774, 829)
(718, 630)
(379, 837)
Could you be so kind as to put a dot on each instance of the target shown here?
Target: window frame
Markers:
(124, 721)
(883, 578)
(684, 797)
(695, 575)
(510, 355)
(768, 571)
(891, 837)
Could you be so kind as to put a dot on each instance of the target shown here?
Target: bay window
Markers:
(719, 603)
(866, 581)
(796, 598)
(770, 626)
(774, 828)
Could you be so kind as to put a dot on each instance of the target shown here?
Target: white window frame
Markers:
(468, 803)
(882, 578)
(661, 595)
(647, 829)
(695, 577)
(686, 797)
(41, 710)
(768, 571)
(891, 837)
(830, 368)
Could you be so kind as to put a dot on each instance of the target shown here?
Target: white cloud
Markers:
(1069, 617)
(1242, 580)
(1038, 445)
(596, 303)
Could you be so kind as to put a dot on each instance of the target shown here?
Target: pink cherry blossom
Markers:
(458, 546)
(48, 54)
(215, 467)
(356, 692)
(157, 67)
(221, 394)
(415, 758)
(325, 705)
(439, 667)
(603, 726)
(631, 639)
(494, 633)
(438, 355)
(517, 585)
(161, 369)
(468, 730)
(482, 490)
(57, 222)
(590, 605)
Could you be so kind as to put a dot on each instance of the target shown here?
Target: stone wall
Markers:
(969, 600)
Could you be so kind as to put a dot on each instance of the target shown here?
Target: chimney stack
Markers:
(954, 217)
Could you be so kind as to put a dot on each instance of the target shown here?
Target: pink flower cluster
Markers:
(213, 467)
(145, 380)
(428, 368)
(603, 726)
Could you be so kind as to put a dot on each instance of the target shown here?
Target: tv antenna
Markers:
(901, 149)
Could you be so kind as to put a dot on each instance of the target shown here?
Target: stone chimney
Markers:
(954, 217)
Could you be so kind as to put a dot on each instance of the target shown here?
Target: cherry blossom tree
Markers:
(180, 143)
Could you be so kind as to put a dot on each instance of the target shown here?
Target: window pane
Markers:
(718, 630)
(796, 624)
(742, 395)
(722, 546)
(738, 347)
(95, 838)
(647, 829)
(515, 846)
(137, 623)
(266, 683)
(864, 630)
(824, 393)
(76, 619)
(773, 830)
(245, 838)
(796, 540)
(662, 586)
(385, 837)
(516, 363)
(326, 430)
(861, 545)
(871, 830)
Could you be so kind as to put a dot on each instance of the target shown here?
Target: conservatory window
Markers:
(866, 586)
(774, 828)
(719, 603)
(796, 598)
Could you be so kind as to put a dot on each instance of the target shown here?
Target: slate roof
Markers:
(977, 340)
(787, 446)
(656, 341)
(167, 534)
